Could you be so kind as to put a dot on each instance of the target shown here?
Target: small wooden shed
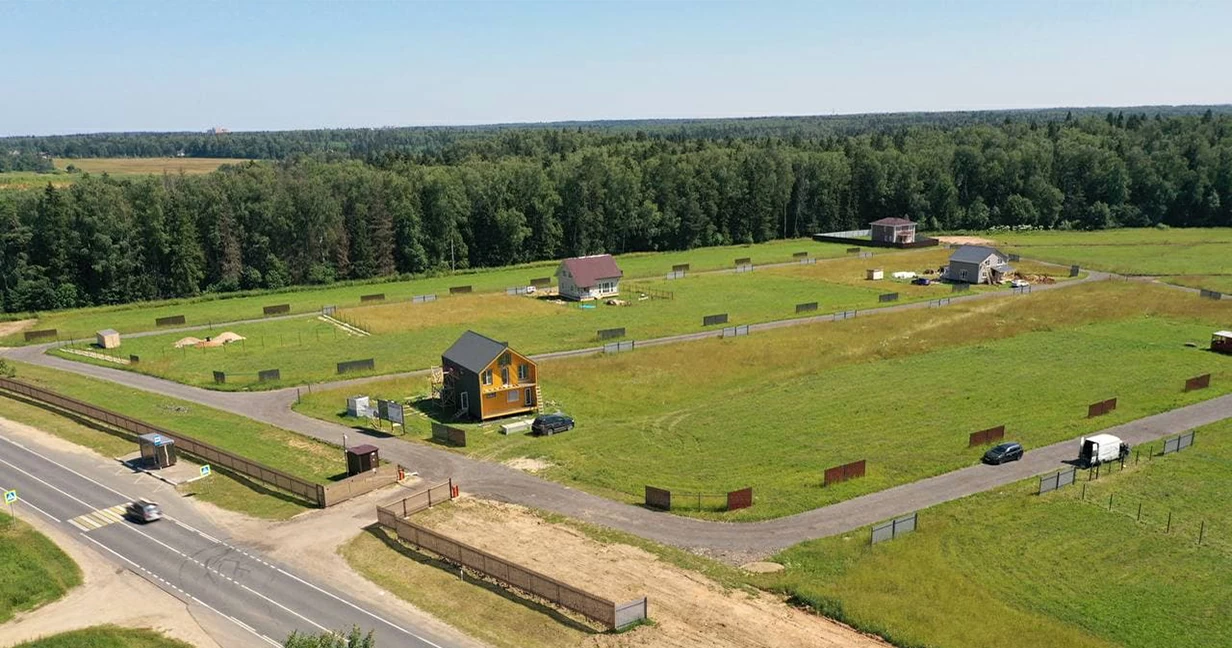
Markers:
(108, 338)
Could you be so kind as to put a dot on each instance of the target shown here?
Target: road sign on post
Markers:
(158, 439)
(205, 470)
(10, 496)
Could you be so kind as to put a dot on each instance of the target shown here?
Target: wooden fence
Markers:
(1101, 408)
(844, 472)
(364, 299)
(986, 436)
(174, 320)
(277, 309)
(448, 434)
(460, 290)
(1198, 382)
(661, 498)
(41, 335)
(806, 308)
(367, 364)
(711, 320)
(596, 608)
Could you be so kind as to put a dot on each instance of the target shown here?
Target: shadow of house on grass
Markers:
(390, 539)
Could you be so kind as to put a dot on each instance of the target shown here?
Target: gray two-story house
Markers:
(978, 264)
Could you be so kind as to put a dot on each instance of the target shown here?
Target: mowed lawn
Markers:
(1198, 257)
(408, 336)
(132, 318)
(107, 636)
(902, 391)
(1010, 569)
(274, 447)
(33, 570)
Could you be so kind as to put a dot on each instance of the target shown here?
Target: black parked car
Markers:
(1002, 453)
(550, 424)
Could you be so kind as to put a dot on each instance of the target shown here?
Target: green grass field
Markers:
(106, 637)
(412, 336)
(1198, 257)
(33, 570)
(901, 390)
(1009, 569)
(274, 447)
(131, 318)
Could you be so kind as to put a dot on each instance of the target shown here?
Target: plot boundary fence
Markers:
(42, 334)
(891, 529)
(986, 436)
(1101, 408)
(1198, 382)
(1049, 483)
(596, 608)
(212, 455)
(662, 499)
(844, 472)
(1176, 444)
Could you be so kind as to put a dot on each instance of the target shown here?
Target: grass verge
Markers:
(107, 636)
(33, 570)
(1053, 570)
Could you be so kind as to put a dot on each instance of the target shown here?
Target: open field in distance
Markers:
(410, 336)
(1058, 570)
(131, 318)
(145, 166)
(902, 390)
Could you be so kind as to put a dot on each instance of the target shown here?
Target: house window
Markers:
(487, 377)
(465, 399)
(530, 397)
(505, 359)
(523, 372)
(962, 274)
(513, 396)
(505, 375)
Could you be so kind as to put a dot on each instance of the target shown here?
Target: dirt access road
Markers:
(736, 543)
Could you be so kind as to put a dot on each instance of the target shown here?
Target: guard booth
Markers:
(362, 458)
(157, 451)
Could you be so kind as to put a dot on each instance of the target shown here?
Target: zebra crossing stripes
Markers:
(100, 518)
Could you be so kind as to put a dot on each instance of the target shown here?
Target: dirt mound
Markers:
(965, 240)
(209, 342)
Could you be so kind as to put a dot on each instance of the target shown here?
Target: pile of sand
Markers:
(209, 342)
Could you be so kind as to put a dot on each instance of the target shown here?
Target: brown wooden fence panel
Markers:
(277, 309)
(449, 434)
(740, 499)
(363, 299)
(1198, 382)
(367, 364)
(541, 282)
(844, 472)
(173, 320)
(41, 335)
(459, 290)
(743, 261)
(658, 498)
(680, 267)
(209, 454)
(986, 436)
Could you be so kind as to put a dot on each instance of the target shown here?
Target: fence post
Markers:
(1109, 501)
(1084, 492)
(1169, 529)
(1201, 531)
(1139, 512)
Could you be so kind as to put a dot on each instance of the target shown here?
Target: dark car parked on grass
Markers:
(1002, 453)
(550, 424)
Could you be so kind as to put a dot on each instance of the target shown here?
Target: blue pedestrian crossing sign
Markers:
(205, 470)
(10, 496)
(158, 439)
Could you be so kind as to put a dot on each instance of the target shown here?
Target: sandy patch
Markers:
(689, 610)
(9, 328)
(965, 240)
(530, 465)
(108, 595)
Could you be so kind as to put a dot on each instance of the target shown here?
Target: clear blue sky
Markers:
(107, 66)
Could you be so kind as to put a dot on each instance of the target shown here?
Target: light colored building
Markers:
(893, 230)
(978, 264)
(589, 277)
(108, 338)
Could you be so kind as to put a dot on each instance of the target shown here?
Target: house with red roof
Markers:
(589, 277)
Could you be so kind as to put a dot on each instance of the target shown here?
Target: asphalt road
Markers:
(187, 560)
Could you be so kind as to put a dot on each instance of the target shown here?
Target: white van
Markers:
(1097, 449)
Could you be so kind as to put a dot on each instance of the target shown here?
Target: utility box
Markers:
(359, 406)
(108, 338)
(157, 451)
(875, 274)
(362, 458)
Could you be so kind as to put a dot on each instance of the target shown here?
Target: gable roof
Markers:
(474, 352)
(588, 270)
(974, 254)
(892, 221)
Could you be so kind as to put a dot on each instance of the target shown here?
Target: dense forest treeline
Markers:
(447, 142)
(530, 194)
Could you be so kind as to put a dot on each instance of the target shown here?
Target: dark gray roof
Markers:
(473, 351)
(973, 254)
(892, 221)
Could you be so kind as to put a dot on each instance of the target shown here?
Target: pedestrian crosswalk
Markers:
(100, 518)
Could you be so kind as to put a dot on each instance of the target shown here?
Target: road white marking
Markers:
(56, 463)
(25, 503)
